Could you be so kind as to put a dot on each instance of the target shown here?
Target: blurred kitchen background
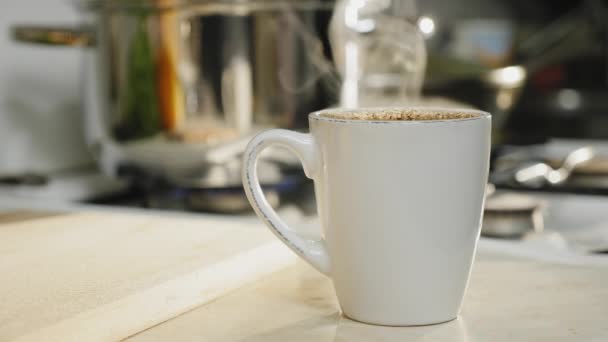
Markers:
(149, 103)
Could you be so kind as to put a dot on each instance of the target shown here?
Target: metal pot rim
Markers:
(161, 5)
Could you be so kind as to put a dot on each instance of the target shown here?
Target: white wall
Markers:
(40, 110)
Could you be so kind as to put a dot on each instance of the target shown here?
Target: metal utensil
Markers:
(539, 174)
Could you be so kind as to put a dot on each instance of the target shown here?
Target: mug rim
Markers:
(318, 115)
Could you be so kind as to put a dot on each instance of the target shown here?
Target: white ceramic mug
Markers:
(400, 204)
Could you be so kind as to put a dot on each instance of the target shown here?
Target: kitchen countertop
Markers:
(99, 276)
(519, 291)
(507, 300)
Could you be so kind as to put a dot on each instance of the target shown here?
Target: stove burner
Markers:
(158, 194)
(511, 216)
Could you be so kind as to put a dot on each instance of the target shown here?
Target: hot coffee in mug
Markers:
(400, 196)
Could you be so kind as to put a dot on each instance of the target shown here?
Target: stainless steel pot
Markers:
(173, 86)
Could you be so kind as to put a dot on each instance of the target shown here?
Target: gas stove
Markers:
(292, 189)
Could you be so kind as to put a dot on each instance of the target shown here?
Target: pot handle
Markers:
(64, 36)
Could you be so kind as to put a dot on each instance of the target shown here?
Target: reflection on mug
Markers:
(349, 330)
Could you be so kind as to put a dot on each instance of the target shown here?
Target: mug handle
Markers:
(305, 148)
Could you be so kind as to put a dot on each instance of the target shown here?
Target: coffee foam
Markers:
(407, 114)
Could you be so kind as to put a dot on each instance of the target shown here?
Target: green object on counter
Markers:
(142, 113)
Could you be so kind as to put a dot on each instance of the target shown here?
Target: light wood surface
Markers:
(104, 277)
(107, 277)
(507, 300)
(23, 215)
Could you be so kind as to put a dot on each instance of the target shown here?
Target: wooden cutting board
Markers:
(106, 276)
